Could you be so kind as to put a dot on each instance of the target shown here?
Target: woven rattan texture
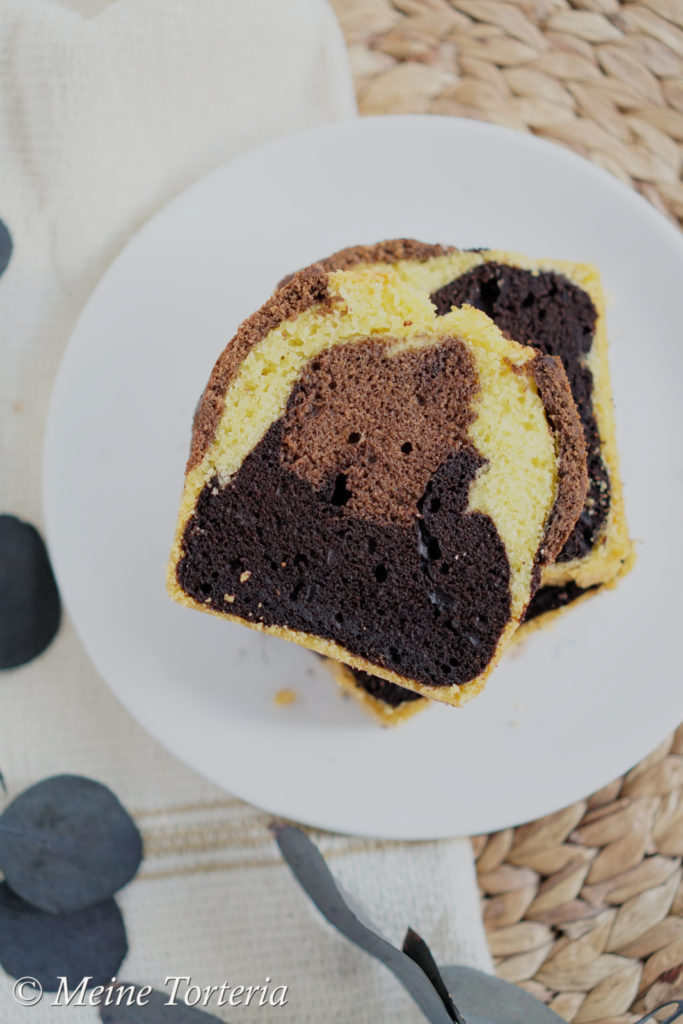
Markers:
(583, 908)
(601, 77)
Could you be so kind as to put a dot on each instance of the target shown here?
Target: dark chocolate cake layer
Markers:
(552, 599)
(557, 317)
(387, 698)
(390, 693)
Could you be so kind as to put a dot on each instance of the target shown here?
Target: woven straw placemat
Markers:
(583, 908)
(601, 77)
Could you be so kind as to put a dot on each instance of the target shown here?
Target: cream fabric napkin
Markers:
(107, 109)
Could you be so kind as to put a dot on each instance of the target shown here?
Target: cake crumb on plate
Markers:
(283, 698)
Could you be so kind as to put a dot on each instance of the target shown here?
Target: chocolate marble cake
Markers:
(559, 308)
(376, 482)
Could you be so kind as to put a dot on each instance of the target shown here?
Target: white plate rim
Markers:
(650, 736)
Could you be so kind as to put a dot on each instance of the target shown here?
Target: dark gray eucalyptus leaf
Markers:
(418, 950)
(312, 873)
(6, 247)
(484, 999)
(154, 1011)
(88, 943)
(67, 843)
(30, 609)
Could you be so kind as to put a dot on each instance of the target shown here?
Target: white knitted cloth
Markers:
(107, 109)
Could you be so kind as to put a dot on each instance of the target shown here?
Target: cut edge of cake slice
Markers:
(250, 390)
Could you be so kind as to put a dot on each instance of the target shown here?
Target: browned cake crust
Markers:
(302, 290)
(389, 251)
(553, 388)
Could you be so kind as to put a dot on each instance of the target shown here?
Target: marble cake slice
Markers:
(378, 483)
(558, 307)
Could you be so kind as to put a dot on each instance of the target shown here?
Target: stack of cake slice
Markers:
(558, 307)
(388, 466)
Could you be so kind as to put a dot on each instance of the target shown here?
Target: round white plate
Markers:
(577, 704)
